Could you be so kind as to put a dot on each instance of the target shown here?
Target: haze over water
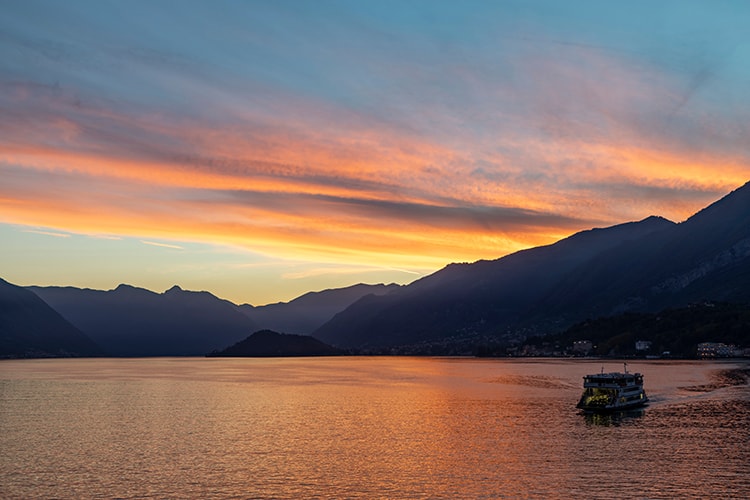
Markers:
(364, 427)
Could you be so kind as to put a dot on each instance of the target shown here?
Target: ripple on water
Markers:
(361, 428)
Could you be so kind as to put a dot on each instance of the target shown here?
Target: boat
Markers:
(616, 391)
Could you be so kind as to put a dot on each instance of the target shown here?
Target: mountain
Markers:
(308, 312)
(267, 343)
(637, 266)
(485, 297)
(29, 328)
(707, 257)
(129, 321)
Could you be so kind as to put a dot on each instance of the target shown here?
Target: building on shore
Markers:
(711, 350)
(582, 347)
(642, 345)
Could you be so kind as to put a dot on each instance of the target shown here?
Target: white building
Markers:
(642, 345)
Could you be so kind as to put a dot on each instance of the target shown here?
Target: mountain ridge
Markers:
(133, 321)
(544, 289)
(306, 313)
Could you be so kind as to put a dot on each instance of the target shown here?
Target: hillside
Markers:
(29, 328)
(267, 343)
(676, 331)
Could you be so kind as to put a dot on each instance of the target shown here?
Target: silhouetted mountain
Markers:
(308, 312)
(483, 297)
(267, 343)
(29, 328)
(704, 258)
(641, 266)
(129, 321)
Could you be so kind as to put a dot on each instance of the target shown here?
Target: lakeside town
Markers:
(642, 349)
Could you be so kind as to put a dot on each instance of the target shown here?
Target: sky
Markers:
(260, 150)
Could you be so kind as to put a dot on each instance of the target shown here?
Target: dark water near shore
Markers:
(366, 428)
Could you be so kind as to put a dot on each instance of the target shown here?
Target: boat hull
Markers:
(613, 408)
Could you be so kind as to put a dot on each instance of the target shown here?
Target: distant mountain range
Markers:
(129, 321)
(640, 266)
(308, 312)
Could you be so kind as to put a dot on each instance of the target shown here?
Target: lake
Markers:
(366, 427)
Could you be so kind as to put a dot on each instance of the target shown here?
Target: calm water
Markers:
(364, 427)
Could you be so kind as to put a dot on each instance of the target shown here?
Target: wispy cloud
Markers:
(104, 237)
(163, 245)
(47, 233)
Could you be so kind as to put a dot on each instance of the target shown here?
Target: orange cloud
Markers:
(316, 182)
(320, 205)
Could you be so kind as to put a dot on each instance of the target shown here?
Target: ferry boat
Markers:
(604, 392)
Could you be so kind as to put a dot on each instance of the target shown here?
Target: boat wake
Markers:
(722, 379)
(726, 384)
(538, 381)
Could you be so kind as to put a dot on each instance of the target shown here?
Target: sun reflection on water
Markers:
(357, 428)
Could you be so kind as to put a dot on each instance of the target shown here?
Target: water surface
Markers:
(381, 427)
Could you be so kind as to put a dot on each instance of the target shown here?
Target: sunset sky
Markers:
(259, 150)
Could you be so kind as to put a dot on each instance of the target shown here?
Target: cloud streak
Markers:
(47, 233)
(162, 245)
